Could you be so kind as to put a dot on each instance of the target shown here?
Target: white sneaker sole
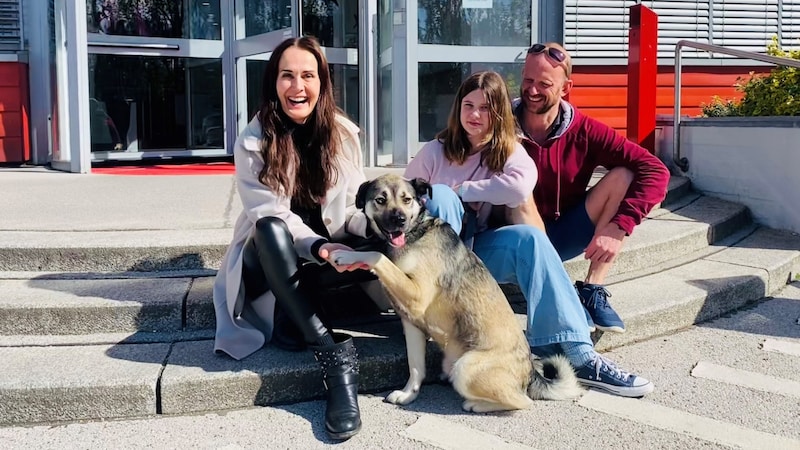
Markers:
(622, 391)
(610, 329)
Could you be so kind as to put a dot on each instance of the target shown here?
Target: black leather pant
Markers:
(270, 262)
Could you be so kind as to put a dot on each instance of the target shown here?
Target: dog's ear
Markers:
(422, 187)
(361, 196)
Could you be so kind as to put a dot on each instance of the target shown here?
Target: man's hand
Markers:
(605, 244)
(327, 248)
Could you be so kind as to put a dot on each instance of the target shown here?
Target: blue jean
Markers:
(523, 255)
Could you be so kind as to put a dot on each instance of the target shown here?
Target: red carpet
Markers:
(216, 168)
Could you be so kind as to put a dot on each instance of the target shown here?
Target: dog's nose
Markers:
(398, 218)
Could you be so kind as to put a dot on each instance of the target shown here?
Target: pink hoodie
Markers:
(510, 187)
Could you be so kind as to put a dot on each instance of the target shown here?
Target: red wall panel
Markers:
(601, 91)
(14, 111)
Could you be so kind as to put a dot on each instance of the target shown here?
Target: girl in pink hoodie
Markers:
(476, 163)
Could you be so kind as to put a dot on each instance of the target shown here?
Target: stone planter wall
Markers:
(754, 161)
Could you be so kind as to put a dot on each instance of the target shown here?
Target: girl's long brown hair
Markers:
(305, 174)
(501, 138)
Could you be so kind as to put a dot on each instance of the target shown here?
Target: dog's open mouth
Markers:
(396, 238)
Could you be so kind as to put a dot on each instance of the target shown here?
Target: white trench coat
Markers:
(235, 336)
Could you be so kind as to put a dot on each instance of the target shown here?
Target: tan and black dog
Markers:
(439, 288)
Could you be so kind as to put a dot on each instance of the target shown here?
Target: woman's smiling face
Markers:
(298, 83)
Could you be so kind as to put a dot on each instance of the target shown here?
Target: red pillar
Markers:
(642, 70)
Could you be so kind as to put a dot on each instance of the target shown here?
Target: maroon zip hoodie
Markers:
(579, 145)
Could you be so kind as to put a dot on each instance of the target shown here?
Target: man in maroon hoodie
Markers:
(567, 146)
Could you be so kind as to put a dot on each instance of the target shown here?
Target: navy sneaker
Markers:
(594, 298)
(602, 373)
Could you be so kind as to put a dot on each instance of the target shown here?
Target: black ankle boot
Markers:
(339, 363)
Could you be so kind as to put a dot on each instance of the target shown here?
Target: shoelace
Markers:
(602, 364)
(599, 297)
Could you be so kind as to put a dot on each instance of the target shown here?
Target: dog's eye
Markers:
(407, 200)
(380, 200)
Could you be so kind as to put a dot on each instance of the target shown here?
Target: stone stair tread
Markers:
(672, 234)
(45, 384)
(753, 268)
(138, 337)
(194, 379)
(47, 306)
(115, 238)
(156, 304)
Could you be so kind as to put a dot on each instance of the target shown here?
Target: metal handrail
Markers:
(680, 161)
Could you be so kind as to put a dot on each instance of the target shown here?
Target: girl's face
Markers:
(298, 83)
(475, 118)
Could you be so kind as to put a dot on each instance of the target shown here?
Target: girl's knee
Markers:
(442, 198)
(446, 205)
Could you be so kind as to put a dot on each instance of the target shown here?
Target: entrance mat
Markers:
(215, 168)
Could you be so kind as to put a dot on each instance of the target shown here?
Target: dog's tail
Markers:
(553, 379)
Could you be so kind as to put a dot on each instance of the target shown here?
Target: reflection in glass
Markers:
(333, 22)
(263, 16)
(345, 87)
(192, 19)
(505, 23)
(384, 25)
(385, 111)
(142, 103)
(438, 83)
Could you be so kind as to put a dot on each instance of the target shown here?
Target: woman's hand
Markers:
(327, 248)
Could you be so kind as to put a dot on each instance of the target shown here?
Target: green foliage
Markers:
(775, 94)
(720, 107)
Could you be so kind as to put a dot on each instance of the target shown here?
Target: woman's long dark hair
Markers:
(303, 169)
(500, 140)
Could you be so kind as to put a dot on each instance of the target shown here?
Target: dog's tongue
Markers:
(397, 239)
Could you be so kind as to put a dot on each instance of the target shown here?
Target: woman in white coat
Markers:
(298, 169)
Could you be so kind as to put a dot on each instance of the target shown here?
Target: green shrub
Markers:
(775, 94)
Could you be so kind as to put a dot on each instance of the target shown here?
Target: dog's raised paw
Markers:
(401, 397)
(344, 257)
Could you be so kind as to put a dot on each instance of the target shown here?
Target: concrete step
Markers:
(672, 233)
(126, 379)
(75, 303)
(143, 250)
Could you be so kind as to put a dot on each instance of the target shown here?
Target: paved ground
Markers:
(733, 382)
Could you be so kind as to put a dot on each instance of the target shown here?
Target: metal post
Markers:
(681, 162)
(642, 76)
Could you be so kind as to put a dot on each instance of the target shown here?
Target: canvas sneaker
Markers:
(602, 373)
(594, 298)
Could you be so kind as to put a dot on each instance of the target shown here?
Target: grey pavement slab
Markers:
(82, 382)
(91, 306)
(735, 341)
(37, 200)
(53, 201)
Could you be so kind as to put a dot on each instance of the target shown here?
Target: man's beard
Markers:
(540, 108)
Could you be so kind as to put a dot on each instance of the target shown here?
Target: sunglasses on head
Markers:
(553, 53)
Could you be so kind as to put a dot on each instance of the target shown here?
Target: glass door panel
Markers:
(156, 78)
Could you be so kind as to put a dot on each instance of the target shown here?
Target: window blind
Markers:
(599, 28)
(10, 25)
(745, 24)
